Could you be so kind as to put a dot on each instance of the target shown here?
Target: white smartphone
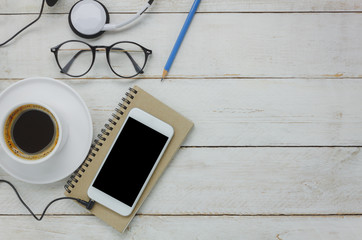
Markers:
(130, 162)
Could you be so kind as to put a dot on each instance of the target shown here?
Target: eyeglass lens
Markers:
(75, 58)
(127, 59)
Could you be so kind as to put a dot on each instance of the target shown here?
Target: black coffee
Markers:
(33, 131)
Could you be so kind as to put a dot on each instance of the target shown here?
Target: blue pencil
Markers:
(180, 38)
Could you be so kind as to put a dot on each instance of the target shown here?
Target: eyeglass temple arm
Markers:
(135, 65)
(66, 68)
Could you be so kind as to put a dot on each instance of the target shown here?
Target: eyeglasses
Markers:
(126, 59)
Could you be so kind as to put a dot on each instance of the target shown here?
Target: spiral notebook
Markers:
(81, 179)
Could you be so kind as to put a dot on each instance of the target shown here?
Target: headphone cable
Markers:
(16, 34)
(88, 205)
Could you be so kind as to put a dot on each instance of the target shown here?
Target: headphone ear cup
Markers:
(51, 3)
(87, 18)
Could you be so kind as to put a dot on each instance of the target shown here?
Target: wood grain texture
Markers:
(170, 227)
(32, 6)
(236, 181)
(261, 45)
(250, 73)
(255, 112)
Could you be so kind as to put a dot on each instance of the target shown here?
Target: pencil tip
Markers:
(164, 75)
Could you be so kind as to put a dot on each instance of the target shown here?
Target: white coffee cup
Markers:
(8, 142)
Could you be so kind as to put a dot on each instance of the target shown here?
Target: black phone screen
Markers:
(130, 161)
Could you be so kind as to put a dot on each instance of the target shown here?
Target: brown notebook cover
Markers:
(78, 184)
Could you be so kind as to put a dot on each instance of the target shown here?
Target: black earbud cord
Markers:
(88, 205)
(16, 34)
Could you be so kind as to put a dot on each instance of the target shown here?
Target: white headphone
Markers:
(87, 18)
(90, 18)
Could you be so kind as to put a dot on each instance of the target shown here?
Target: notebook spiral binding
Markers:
(101, 138)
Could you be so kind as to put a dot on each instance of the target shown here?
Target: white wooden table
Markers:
(274, 88)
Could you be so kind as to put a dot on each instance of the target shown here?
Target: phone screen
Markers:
(130, 161)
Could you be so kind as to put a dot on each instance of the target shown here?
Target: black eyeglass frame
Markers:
(146, 51)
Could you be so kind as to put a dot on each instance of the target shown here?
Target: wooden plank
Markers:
(241, 181)
(170, 227)
(32, 6)
(255, 112)
(262, 45)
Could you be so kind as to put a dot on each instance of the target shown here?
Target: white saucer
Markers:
(67, 103)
